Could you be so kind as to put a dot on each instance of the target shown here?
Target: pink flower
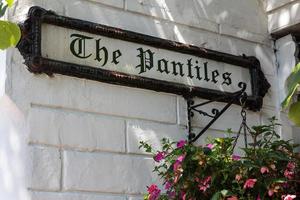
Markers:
(264, 170)
(204, 184)
(159, 156)
(291, 166)
(258, 198)
(238, 177)
(181, 143)
(289, 197)
(270, 192)
(236, 157)
(288, 174)
(232, 198)
(183, 195)
(154, 192)
(177, 166)
(171, 194)
(210, 146)
(180, 158)
(249, 183)
(168, 185)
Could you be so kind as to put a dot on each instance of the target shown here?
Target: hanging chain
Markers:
(243, 127)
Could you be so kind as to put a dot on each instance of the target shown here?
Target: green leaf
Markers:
(292, 85)
(10, 34)
(294, 113)
(216, 196)
(10, 3)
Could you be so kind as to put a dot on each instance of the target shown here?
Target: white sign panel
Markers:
(97, 51)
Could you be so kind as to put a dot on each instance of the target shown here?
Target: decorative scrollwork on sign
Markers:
(216, 113)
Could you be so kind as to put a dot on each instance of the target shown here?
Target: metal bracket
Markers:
(215, 113)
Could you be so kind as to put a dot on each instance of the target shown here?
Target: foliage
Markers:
(269, 169)
(293, 83)
(10, 33)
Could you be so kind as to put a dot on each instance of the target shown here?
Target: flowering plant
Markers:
(268, 169)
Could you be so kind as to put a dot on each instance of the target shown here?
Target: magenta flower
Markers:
(236, 157)
(288, 174)
(181, 143)
(232, 198)
(180, 158)
(177, 166)
(183, 196)
(171, 194)
(204, 184)
(168, 185)
(289, 197)
(258, 198)
(249, 183)
(154, 192)
(291, 166)
(270, 192)
(159, 156)
(210, 146)
(264, 170)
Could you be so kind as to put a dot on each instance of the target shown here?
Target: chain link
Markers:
(243, 125)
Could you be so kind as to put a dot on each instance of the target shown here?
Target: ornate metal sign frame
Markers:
(30, 48)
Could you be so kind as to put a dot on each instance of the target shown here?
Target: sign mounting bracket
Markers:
(237, 96)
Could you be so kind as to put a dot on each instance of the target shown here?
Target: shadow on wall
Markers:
(12, 152)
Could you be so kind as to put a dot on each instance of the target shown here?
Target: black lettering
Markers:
(198, 73)
(227, 79)
(215, 74)
(116, 55)
(175, 64)
(77, 46)
(146, 60)
(163, 66)
(190, 68)
(98, 53)
(206, 72)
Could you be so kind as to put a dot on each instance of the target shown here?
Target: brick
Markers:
(275, 4)
(194, 36)
(182, 115)
(152, 133)
(76, 129)
(263, 53)
(286, 49)
(118, 18)
(111, 173)
(73, 196)
(175, 11)
(92, 96)
(113, 3)
(45, 168)
(226, 29)
(135, 198)
(271, 98)
(242, 14)
(284, 17)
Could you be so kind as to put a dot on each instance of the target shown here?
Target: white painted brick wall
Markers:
(84, 135)
(75, 129)
(45, 170)
(73, 196)
(107, 172)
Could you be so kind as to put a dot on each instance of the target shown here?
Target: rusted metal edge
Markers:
(30, 48)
